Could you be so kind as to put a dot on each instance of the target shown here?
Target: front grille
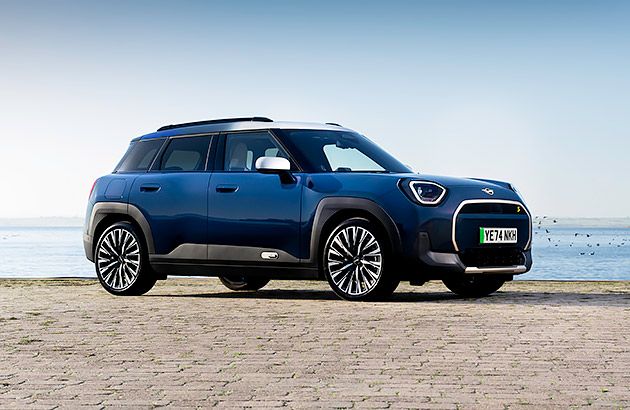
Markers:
(474, 214)
(493, 257)
(492, 208)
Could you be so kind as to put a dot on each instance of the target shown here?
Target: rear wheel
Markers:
(474, 286)
(356, 261)
(243, 282)
(121, 261)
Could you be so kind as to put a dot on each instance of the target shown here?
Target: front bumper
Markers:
(451, 263)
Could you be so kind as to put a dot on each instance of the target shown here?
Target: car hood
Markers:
(451, 182)
(470, 188)
(465, 182)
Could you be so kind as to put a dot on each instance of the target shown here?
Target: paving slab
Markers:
(191, 343)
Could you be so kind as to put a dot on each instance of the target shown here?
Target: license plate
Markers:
(497, 235)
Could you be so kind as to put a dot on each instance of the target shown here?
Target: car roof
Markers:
(238, 124)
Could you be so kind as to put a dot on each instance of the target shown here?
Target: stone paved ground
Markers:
(192, 343)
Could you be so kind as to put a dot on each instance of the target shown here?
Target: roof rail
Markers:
(334, 123)
(219, 121)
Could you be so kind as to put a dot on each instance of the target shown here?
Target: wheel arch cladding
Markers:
(107, 214)
(332, 211)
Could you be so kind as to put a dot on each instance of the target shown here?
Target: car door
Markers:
(252, 217)
(173, 197)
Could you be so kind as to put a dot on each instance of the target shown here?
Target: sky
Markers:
(536, 93)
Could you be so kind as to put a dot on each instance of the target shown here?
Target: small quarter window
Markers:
(185, 154)
(140, 155)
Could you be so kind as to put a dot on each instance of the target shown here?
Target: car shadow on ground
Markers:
(522, 298)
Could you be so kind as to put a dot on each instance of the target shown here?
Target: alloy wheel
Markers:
(354, 260)
(118, 259)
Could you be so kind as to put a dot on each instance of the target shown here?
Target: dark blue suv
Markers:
(251, 199)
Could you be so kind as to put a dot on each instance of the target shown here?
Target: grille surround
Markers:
(489, 201)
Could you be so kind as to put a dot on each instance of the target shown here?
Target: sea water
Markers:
(559, 253)
(43, 252)
(580, 253)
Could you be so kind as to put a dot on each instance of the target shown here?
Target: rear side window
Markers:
(185, 154)
(140, 155)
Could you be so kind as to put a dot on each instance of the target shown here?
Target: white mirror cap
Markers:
(273, 164)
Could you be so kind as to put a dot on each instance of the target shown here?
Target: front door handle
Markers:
(149, 188)
(227, 188)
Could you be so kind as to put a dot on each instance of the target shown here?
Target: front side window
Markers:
(140, 155)
(338, 151)
(243, 149)
(185, 154)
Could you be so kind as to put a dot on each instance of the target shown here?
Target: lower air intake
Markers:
(493, 257)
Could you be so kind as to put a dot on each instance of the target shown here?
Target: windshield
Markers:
(338, 151)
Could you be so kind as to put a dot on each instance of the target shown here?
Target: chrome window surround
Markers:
(496, 201)
(415, 192)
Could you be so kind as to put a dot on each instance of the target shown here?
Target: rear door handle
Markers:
(149, 188)
(227, 188)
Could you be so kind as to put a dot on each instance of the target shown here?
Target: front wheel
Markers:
(473, 286)
(121, 261)
(356, 261)
(243, 282)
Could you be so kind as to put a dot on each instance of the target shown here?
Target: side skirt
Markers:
(202, 268)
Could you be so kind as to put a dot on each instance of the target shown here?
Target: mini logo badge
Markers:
(488, 191)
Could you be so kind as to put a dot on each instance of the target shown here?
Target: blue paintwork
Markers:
(409, 217)
(254, 210)
(175, 205)
(257, 210)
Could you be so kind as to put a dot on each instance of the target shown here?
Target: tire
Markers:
(121, 261)
(243, 282)
(473, 286)
(356, 261)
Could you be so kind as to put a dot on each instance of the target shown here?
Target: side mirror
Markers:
(272, 165)
(276, 165)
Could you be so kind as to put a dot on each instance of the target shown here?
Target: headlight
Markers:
(427, 193)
